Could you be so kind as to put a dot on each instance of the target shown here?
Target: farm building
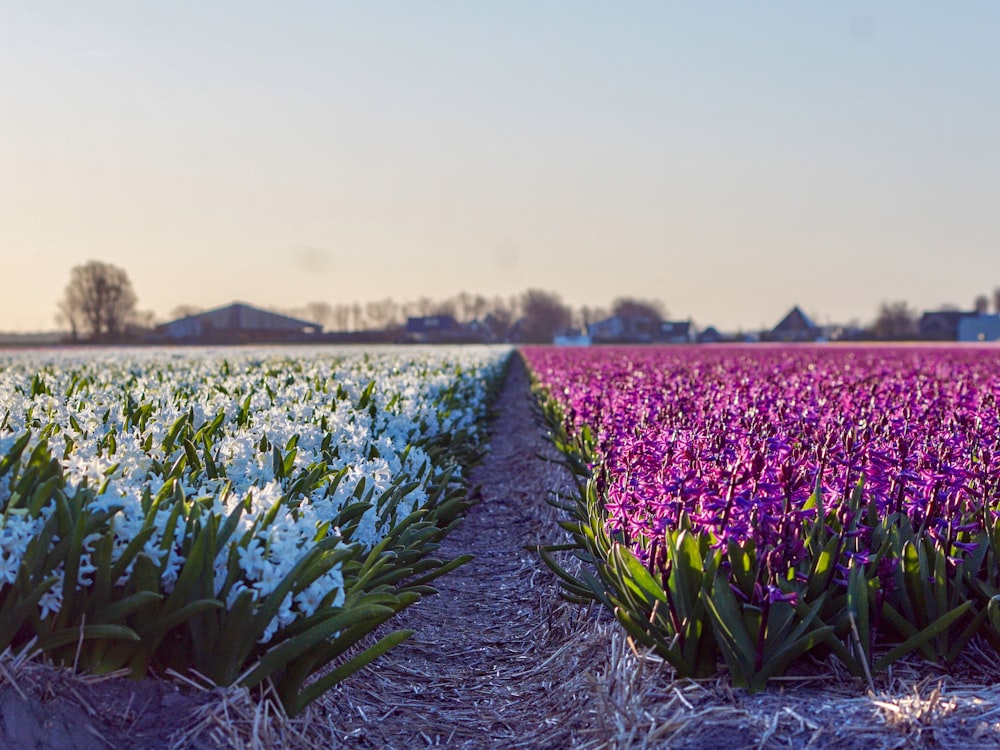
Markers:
(794, 327)
(608, 329)
(237, 323)
(431, 324)
(710, 335)
(979, 328)
(942, 325)
(433, 329)
(675, 332)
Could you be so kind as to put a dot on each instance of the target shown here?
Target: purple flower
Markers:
(736, 439)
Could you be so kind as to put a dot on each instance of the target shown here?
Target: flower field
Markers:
(249, 515)
(755, 504)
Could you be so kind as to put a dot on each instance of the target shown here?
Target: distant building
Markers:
(675, 332)
(710, 335)
(573, 338)
(236, 323)
(433, 329)
(431, 324)
(609, 329)
(941, 325)
(794, 327)
(982, 327)
(845, 333)
(445, 329)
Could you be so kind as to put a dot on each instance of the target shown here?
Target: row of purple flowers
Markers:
(769, 449)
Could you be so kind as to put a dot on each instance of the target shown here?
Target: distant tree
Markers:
(498, 316)
(319, 312)
(423, 307)
(382, 313)
(184, 311)
(68, 315)
(499, 322)
(590, 315)
(627, 307)
(895, 321)
(981, 304)
(140, 323)
(480, 306)
(543, 316)
(448, 307)
(99, 300)
(463, 302)
(996, 300)
(342, 317)
(639, 316)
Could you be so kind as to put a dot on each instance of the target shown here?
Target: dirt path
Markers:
(497, 660)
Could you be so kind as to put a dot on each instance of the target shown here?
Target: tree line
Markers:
(898, 321)
(100, 304)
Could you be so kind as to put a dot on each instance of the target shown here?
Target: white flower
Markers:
(293, 397)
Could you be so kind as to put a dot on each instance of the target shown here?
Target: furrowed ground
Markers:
(498, 660)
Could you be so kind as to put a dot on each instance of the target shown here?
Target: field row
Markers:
(249, 515)
(756, 504)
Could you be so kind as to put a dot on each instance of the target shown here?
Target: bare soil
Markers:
(498, 661)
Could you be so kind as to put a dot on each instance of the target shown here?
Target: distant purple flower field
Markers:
(738, 437)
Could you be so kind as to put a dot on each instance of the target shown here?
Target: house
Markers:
(675, 332)
(609, 329)
(848, 332)
(432, 329)
(981, 327)
(710, 335)
(445, 329)
(794, 327)
(941, 325)
(236, 323)
(431, 324)
(572, 338)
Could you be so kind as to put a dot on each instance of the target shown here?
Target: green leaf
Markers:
(278, 656)
(58, 638)
(345, 670)
(923, 637)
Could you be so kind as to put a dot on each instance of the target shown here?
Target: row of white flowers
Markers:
(109, 414)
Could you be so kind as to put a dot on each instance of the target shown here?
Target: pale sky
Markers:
(731, 159)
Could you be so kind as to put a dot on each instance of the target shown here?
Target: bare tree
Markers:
(543, 316)
(319, 312)
(342, 317)
(424, 306)
(479, 307)
(639, 316)
(996, 300)
(69, 316)
(445, 308)
(141, 322)
(981, 304)
(895, 320)
(99, 300)
(184, 311)
(382, 313)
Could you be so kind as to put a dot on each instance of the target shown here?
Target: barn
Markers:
(235, 324)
